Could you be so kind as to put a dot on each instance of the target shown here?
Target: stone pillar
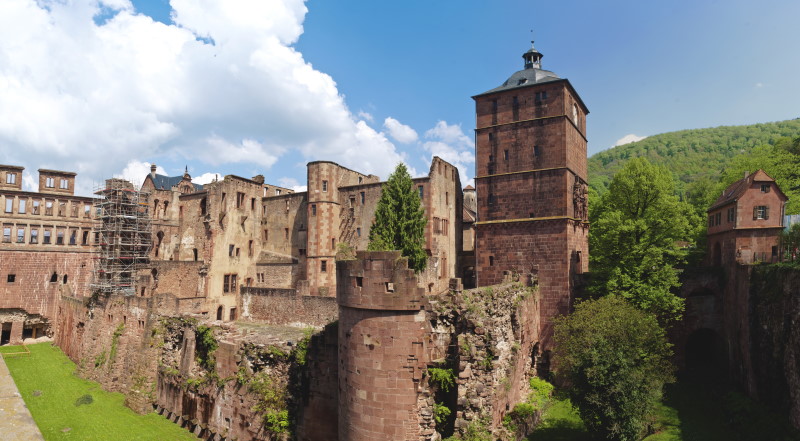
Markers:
(16, 333)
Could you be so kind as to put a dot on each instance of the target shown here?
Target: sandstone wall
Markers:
(286, 307)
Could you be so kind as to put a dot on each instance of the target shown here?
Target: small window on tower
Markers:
(324, 186)
(505, 155)
(536, 150)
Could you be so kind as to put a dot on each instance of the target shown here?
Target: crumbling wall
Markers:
(286, 307)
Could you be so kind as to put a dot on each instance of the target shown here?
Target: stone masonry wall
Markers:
(285, 307)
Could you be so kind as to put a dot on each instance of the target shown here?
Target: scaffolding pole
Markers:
(123, 236)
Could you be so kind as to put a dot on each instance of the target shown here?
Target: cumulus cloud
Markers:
(135, 171)
(627, 139)
(205, 178)
(221, 85)
(449, 142)
(399, 131)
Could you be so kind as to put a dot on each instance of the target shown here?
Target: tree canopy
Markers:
(616, 359)
(636, 229)
(692, 155)
(400, 220)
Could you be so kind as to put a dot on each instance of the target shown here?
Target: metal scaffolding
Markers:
(123, 236)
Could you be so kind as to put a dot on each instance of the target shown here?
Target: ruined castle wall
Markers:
(32, 289)
(183, 279)
(762, 316)
(285, 307)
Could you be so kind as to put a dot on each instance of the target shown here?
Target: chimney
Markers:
(152, 171)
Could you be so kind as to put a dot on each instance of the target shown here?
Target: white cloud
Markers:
(399, 131)
(366, 116)
(627, 139)
(222, 85)
(759, 85)
(293, 184)
(205, 178)
(135, 171)
(451, 144)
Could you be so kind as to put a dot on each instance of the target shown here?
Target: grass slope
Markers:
(690, 154)
(58, 402)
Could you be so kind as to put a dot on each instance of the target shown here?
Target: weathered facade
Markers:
(745, 221)
(45, 250)
(531, 184)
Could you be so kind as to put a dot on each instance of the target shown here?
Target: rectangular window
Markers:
(226, 280)
(73, 237)
(85, 238)
(323, 266)
(11, 278)
(333, 243)
(64, 184)
(718, 220)
(286, 233)
(494, 111)
(764, 188)
(301, 251)
(50, 182)
(363, 197)
(6, 234)
(87, 209)
(491, 260)
(515, 109)
(11, 178)
(180, 212)
(60, 237)
(324, 186)
(421, 192)
(536, 150)
(74, 209)
(34, 235)
(266, 235)
(761, 212)
(231, 249)
(9, 204)
(253, 204)
(250, 249)
(505, 155)
(20, 235)
(35, 208)
(46, 239)
(62, 209)
(358, 231)
(22, 206)
(239, 199)
(313, 209)
(48, 208)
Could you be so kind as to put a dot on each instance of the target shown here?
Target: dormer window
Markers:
(764, 188)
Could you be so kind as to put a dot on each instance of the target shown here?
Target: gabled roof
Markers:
(468, 216)
(161, 182)
(738, 188)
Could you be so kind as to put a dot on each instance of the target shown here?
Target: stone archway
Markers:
(706, 352)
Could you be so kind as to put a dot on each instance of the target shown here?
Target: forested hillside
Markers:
(691, 155)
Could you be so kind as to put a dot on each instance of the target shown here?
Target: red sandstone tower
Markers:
(531, 184)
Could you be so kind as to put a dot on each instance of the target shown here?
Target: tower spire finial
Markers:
(533, 58)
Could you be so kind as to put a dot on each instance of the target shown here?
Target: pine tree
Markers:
(400, 220)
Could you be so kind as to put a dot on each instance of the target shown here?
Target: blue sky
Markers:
(262, 86)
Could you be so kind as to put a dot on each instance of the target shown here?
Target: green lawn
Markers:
(11, 349)
(692, 410)
(67, 407)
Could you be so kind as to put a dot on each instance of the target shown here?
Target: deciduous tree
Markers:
(635, 236)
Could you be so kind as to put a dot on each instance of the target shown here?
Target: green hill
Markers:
(691, 155)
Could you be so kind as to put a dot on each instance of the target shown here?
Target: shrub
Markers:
(616, 359)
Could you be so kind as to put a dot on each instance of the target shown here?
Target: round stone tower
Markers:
(382, 350)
